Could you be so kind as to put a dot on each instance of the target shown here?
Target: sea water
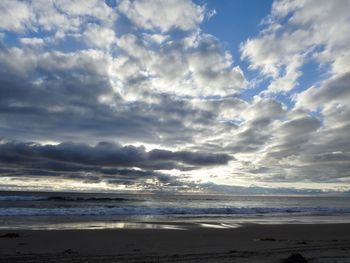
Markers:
(39, 210)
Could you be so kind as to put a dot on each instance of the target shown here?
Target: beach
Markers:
(84, 227)
(144, 131)
(246, 243)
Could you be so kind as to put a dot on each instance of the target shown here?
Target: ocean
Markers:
(53, 210)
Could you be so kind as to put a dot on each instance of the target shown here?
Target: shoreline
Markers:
(248, 243)
(109, 223)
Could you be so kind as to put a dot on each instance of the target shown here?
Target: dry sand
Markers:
(249, 243)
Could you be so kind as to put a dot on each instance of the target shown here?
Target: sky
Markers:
(242, 97)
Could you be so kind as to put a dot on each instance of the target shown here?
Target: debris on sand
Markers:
(10, 235)
(68, 251)
(295, 258)
(267, 239)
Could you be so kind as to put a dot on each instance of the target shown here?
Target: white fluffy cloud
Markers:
(163, 15)
(194, 66)
(99, 36)
(14, 15)
(297, 32)
(34, 41)
(59, 17)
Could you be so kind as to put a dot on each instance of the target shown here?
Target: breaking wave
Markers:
(135, 211)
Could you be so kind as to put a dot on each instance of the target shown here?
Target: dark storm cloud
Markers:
(105, 162)
(104, 155)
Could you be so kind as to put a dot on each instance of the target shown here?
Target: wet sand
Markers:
(249, 243)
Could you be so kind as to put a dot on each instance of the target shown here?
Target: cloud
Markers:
(14, 15)
(295, 33)
(116, 84)
(291, 136)
(256, 128)
(32, 41)
(105, 162)
(307, 142)
(163, 15)
(331, 143)
(60, 15)
(99, 36)
(334, 90)
(69, 96)
(195, 66)
(147, 73)
(108, 155)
